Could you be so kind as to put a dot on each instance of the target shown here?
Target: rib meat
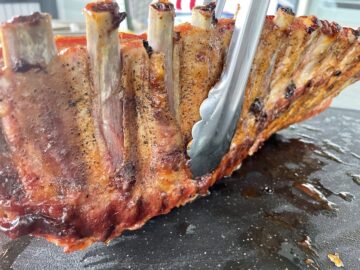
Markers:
(92, 145)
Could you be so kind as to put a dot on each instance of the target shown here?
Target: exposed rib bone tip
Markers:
(204, 16)
(28, 41)
(163, 5)
(32, 19)
(284, 17)
(106, 8)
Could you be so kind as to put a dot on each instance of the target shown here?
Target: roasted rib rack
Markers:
(94, 130)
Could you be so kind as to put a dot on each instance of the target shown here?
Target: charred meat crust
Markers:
(209, 8)
(330, 28)
(112, 8)
(337, 73)
(256, 107)
(162, 6)
(288, 11)
(32, 19)
(314, 26)
(356, 32)
(177, 36)
(23, 66)
(214, 20)
(290, 90)
(148, 48)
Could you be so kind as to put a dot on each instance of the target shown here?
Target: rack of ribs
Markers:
(95, 129)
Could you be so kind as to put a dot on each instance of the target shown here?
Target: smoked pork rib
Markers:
(51, 127)
(91, 142)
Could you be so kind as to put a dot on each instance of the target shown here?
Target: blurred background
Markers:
(68, 18)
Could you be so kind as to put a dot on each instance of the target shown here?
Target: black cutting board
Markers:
(257, 219)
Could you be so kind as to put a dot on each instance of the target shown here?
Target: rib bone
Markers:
(27, 41)
(284, 18)
(203, 16)
(102, 23)
(160, 37)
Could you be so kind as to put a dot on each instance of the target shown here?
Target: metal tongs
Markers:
(220, 112)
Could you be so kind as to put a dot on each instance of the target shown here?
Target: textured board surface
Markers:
(257, 219)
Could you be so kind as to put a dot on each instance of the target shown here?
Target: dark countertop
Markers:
(257, 219)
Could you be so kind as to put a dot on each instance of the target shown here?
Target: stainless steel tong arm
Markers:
(220, 112)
